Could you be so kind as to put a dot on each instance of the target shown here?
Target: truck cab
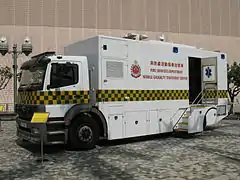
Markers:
(50, 83)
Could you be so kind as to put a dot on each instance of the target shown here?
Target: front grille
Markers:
(26, 111)
(25, 129)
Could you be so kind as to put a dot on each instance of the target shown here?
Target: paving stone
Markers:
(214, 154)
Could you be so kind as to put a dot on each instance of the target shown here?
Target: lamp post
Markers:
(26, 49)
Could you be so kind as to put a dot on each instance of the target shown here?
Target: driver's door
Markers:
(63, 87)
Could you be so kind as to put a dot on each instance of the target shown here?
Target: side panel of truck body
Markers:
(141, 84)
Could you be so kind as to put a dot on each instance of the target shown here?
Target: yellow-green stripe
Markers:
(83, 97)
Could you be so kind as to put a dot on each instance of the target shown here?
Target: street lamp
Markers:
(26, 49)
(3, 46)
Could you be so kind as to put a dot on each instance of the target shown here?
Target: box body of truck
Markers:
(135, 88)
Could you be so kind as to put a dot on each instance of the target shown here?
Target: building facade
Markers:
(52, 24)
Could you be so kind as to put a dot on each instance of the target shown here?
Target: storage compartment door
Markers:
(165, 121)
(115, 121)
(154, 122)
(116, 126)
(136, 124)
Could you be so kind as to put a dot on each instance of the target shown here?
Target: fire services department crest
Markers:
(135, 70)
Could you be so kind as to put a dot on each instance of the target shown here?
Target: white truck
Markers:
(114, 88)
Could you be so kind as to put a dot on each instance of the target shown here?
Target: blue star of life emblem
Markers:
(208, 72)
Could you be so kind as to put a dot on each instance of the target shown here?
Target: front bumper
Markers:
(53, 132)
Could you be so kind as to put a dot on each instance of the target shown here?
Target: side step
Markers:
(186, 124)
(180, 133)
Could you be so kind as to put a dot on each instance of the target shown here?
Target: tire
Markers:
(83, 132)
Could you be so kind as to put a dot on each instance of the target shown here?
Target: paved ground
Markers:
(212, 155)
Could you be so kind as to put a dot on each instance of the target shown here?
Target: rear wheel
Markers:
(83, 132)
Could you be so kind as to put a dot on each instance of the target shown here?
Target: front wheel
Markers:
(83, 132)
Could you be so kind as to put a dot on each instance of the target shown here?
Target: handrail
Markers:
(187, 108)
(198, 96)
(203, 96)
(177, 111)
(180, 117)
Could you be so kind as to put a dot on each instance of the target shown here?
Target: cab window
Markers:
(64, 74)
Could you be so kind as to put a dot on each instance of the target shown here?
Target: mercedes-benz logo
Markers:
(24, 108)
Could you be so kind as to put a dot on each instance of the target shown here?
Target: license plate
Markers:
(23, 125)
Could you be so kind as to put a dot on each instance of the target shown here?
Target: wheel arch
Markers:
(205, 116)
(94, 112)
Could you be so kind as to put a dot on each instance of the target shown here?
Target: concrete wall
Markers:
(210, 17)
(51, 24)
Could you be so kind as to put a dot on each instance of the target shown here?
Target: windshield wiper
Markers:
(29, 84)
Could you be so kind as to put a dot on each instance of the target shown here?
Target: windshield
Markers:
(32, 79)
